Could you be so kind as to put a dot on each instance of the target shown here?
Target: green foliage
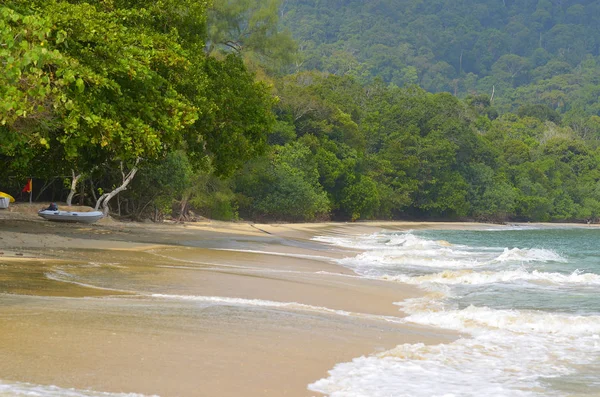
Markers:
(90, 85)
(212, 196)
(87, 90)
(283, 187)
(361, 199)
(159, 184)
(527, 53)
(250, 28)
(541, 112)
(426, 155)
(236, 128)
(29, 87)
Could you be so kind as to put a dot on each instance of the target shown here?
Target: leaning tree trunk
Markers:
(106, 197)
(73, 187)
(183, 208)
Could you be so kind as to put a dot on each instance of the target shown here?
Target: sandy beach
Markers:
(198, 309)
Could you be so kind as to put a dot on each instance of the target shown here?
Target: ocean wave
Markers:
(474, 320)
(509, 354)
(529, 255)
(487, 366)
(504, 353)
(421, 371)
(470, 277)
(427, 259)
(408, 250)
(382, 241)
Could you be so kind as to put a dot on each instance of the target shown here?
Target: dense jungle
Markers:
(297, 110)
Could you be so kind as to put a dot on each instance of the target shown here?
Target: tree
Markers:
(284, 186)
(512, 66)
(160, 183)
(101, 106)
(120, 82)
(539, 111)
(30, 89)
(250, 27)
(235, 127)
(361, 199)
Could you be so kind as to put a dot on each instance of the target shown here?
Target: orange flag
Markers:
(28, 187)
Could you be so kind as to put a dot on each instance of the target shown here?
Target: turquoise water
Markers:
(578, 252)
(526, 300)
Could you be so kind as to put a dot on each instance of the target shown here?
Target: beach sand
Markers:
(200, 309)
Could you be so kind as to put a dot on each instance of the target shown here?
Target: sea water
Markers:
(526, 301)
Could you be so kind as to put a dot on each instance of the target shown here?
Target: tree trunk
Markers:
(73, 187)
(82, 193)
(106, 197)
(183, 209)
(93, 190)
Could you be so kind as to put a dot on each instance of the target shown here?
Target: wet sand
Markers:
(204, 309)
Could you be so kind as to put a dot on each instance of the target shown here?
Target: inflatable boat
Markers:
(68, 216)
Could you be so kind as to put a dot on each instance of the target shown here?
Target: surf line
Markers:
(296, 306)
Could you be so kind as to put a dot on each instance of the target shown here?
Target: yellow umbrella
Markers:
(10, 198)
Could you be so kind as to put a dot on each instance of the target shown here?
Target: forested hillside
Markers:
(373, 151)
(531, 51)
(177, 108)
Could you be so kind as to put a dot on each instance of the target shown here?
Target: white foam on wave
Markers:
(381, 241)
(510, 354)
(470, 277)
(408, 250)
(517, 227)
(476, 320)
(421, 371)
(468, 367)
(529, 255)
(19, 389)
(441, 258)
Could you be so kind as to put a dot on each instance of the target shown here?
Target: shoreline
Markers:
(170, 309)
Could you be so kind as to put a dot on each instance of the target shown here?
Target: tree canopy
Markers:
(93, 82)
(395, 110)
(535, 51)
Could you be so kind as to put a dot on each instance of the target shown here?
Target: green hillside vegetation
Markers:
(175, 108)
(533, 51)
(386, 152)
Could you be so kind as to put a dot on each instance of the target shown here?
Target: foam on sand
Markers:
(508, 355)
(18, 389)
(219, 300)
